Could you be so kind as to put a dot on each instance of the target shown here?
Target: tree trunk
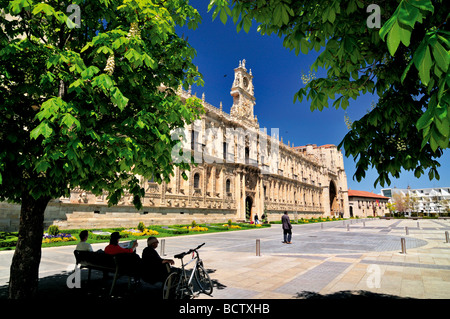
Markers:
(24, 273)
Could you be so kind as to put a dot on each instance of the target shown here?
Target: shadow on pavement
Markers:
(98, 287)
(347, 294)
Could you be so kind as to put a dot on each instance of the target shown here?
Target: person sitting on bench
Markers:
(83, 245)
(154, 268)
(114, 248)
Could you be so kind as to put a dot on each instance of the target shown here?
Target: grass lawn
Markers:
(9, 239)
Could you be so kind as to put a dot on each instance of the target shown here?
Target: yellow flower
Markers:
(146, 232)
(197, 228)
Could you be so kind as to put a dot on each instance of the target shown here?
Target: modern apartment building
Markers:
(434, 200)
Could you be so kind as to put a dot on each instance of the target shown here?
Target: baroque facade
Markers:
(242, 171)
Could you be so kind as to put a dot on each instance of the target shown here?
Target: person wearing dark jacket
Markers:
(153, 267)
(287, 228)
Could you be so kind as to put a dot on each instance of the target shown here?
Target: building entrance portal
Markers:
(334, 205)
(248, 208)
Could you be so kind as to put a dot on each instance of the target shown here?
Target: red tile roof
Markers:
(353, 193)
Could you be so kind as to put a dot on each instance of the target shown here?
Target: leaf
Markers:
(406, 70)
(16, 6)
(387, 26)
(42, 129)
(433, 143)
(116, 44)
(42, 166)
(443, 127)
(68, 120)
(215, 13)
(277, 18)
(441, 56)
(150, 62)
(284, 15)
(393, 39)
(247, 24)
(425, 120)
(132, 55)
(239, 25)
(223, 16)
(408, 14)
(103, 81)
(423, 64)
(118, 98)
(304, 46)
(43, 7)
(89, 72)
(106, 50)
(86, 47)
(424, 5)
(332, 15)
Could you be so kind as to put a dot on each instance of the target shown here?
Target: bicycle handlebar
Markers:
(179, 256)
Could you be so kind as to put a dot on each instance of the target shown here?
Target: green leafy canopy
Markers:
(406, 63)
(92, 106)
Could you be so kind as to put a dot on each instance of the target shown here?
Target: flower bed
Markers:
(137, 232)
(195, 228)
(231, 226)
(62, 237)
(254, 225)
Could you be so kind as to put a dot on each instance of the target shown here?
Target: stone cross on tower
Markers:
(243, 98)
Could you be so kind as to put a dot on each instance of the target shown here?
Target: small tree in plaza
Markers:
(87, 100)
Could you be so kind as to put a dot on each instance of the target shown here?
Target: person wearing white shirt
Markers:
(83, 245)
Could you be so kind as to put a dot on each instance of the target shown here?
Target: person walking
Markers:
(287, 228)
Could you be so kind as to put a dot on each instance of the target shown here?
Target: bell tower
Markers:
(243, 99)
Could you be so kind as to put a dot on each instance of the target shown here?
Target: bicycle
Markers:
(178, 285)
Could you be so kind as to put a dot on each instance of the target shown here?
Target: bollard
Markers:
(258, 247)
(348, 227)
(418, 225)
(364, 224)
(321, 225)
(403, 243)
(407, 230)
(163, 247)
(447, 239)
(343, 222)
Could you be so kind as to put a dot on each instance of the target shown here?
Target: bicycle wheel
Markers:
(203, 280)
(170, 288)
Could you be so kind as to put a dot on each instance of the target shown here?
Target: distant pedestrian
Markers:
(287, 228)
(256, 219)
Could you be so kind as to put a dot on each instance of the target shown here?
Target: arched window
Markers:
(228, 186)
(196, 180)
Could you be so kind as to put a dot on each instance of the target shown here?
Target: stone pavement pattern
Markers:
(324, 259)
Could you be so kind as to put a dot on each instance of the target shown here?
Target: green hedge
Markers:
(170, 230)
(8, 239)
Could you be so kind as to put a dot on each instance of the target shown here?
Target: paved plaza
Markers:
(324, 260)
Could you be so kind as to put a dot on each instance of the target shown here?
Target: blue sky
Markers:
(276, 78)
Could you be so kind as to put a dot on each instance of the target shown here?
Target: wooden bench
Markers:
(120, 264)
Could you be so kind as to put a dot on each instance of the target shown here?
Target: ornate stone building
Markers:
(241, 171)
